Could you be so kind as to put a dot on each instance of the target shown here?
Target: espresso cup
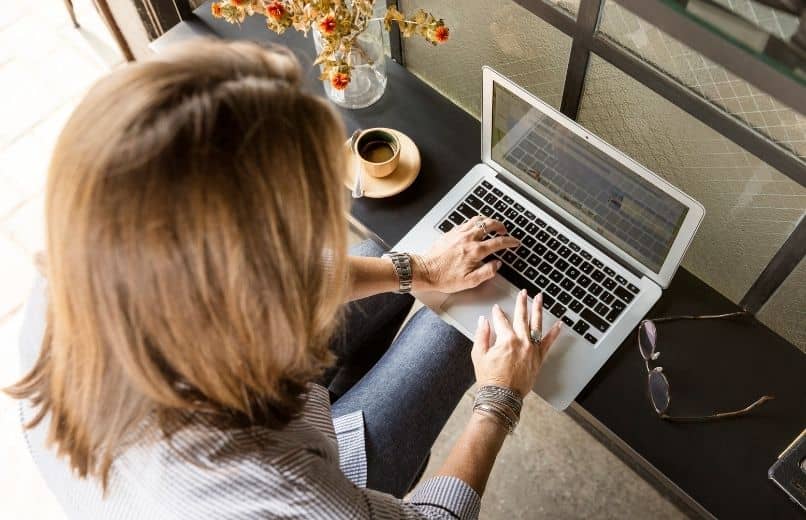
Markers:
(378, 150)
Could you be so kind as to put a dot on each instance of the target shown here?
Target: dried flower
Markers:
(339, 80)
(275, 10)
(328, 25)
(339, 22)
(441, 34)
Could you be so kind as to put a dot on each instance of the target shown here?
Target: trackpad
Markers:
(466, 307)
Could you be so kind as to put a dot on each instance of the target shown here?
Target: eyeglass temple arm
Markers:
(722, 415)
(702, 317)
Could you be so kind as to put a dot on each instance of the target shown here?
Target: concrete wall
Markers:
(751, 207)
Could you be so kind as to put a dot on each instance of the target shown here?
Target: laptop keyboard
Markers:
(578, 288)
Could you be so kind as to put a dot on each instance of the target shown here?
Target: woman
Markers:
(196, 272)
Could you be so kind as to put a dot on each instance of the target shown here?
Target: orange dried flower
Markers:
(237, 3)
(328, 25)
(339, 80)
(215, 7)
(275, 10)
(441, 34)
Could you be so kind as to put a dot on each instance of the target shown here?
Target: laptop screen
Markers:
(619, 204)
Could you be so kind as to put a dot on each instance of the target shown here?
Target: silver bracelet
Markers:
(403, 270)
(501, 403)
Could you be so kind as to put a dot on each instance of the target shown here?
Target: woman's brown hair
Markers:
(195, 250)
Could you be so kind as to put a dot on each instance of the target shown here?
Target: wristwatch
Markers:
(402, 263)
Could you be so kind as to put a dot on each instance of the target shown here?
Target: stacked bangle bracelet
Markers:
(500, 403)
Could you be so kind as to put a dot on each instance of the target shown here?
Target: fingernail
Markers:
(523, 292)
(481, 321)
(496, 306)
(497, 264)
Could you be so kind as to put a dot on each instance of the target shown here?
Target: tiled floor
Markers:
(45, 66)
(550, 468)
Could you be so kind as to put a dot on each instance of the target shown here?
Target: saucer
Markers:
(397, 181)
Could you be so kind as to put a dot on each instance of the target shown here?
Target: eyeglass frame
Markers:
(655, 354)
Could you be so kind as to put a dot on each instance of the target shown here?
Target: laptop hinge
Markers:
(576, 229)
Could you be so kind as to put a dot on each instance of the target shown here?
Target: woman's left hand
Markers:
(456, 261)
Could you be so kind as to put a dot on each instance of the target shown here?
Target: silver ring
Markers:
(482, 226)
(536, 336)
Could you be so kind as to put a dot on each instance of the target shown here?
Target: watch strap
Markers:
(402, 264)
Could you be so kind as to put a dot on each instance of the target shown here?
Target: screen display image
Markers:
(622, 206)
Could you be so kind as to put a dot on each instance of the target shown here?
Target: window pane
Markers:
(737, 97)
(785, 312)
(751, 208)
(498, 33)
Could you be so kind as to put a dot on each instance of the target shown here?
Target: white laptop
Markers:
(601, 235)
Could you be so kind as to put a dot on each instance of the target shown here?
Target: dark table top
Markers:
(711, 365)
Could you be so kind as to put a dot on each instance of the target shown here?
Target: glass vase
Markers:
(368, 76)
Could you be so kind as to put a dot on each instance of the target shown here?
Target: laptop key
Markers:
(563, 252)
(542, 281)
(572, 272)
(562, 238)
(585, 255)
(486, 184)
(474, 201)
(446, 226)
(597, 275)
(540, 249)
(530, 215)
(568, 321)
(556, 275)
(542, 236)
(609, 272)
(531, 228)
(487, 211)
(511, 213)
(618, 304)
(561, 264)
(578, 292)
(567, 284)
(490, 198)
(521, 220)
(541, 222)
(501, 205)
(598, 263)
(565, 298)
(595, 289)
(581, 327)
(609, 283)
(551, 230)
(575, 306)
(575, 259)
(612, 315)
(586, 268)
(553, 243)
(620, 279)
(519, 265)
(528, 241)
(523, 252)
(479, 191)
(508, 199)
(632, 288)
(545, 268)
(498, 192)
(589, 300)
(558, 310)
(530, 273)
(594, 319)
(518, 233)
(624, 294)
(548, 301)
(606, 297)
(466, 210)
(533, 260)
(550, 256)
(499, 217)
(591, 338)
(456, 218)
(553, 289)
(602, 309)
(517, 280)
(584, 281)
(509, 257)
(519, 207)
(573, 246)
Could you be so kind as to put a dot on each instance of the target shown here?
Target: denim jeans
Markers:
(407, 387)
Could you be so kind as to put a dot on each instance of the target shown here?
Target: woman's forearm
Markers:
(472, 457)
(370, 276)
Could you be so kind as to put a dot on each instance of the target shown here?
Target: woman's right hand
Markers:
(514, 361)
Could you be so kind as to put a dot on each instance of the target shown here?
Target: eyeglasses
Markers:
(656, 379)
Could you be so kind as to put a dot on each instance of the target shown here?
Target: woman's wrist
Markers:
(422, 273)
(501, 403)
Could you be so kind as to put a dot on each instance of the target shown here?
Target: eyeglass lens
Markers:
(648, 334)
(659, 390)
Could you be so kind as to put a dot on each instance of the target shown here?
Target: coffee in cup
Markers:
(379, 151)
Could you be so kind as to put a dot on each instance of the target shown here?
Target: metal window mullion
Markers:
(395, 39)
(587, 23)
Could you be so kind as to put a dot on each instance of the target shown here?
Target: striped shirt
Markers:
(314, 468)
